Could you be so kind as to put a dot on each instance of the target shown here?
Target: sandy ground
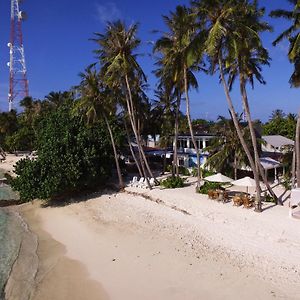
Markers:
(173, 244)
(9, 162)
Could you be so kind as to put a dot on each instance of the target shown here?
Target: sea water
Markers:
(11, 231)
(6, 192)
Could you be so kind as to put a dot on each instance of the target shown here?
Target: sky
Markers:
(57, 47)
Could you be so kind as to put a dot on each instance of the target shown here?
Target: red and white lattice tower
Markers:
(18, 83)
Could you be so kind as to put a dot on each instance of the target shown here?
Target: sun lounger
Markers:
(247, 201)
(152, 181)
(133, 181)
(237, 200)
(141, 183)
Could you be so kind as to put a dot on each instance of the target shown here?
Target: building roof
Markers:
(269, 163)
(277, 141)
(188, 135)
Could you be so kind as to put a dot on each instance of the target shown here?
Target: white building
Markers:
(276, 143)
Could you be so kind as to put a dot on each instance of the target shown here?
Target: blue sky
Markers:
(57, 48)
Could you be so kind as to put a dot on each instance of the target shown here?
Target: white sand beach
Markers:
(8, 164)
(173, 244)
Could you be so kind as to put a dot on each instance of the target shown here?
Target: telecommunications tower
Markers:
(18, 83)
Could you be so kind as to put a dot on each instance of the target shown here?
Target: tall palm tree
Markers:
(292, 34)
(166, 81)
(223, 20)
(226, 150)
(244, 62)
(180, 59)
(163, 111)
(120, 68)
(96, 102)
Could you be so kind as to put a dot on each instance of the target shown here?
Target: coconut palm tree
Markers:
(244, 63)
(166, 82)
(226, 150)
(164, 112)
(97, 102)
(120, 68)
(180, 59)
(224, 20)
(292, 34)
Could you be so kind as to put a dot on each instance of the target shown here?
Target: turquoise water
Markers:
(6, 193)
(11, 231)
(10, 235)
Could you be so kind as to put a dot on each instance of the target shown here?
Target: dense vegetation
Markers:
(71, 157)
(173, 182)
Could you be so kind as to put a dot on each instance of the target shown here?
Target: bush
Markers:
(183, 171)
(209, 186)
(173, 182)
(205, 172)
(287, 183)
(269, 198)
(72, 157)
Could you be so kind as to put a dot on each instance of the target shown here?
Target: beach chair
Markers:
(152, 181)
(210, 194)
(133, 181)
(141, 183)
(237, 200)
(225, 197)
(247, 201)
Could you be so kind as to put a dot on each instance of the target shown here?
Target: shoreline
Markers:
(52, 275)
(23, 271)
(123, 246)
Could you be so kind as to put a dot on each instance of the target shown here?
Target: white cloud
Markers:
(107, 12)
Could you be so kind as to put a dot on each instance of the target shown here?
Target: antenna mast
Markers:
(18, 83)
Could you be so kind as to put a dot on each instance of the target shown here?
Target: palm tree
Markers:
(226, 150)
(55, 99)
(119, 68)
(244, 62)
(96, 101)
(224, 21)
(180, 59)
(293, 35)
(165, 75)
(163, 112)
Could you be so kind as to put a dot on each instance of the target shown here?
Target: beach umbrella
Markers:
(246, 181)
(218, 178)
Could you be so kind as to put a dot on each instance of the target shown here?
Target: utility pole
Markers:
(18, 83)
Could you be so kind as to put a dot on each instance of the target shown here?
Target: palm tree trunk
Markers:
(297, 152)
(176, 133)
(235, 167)
(121, 182)
(259, 167)
(258, 207)
(165, 161)
(188, 114)
(293, 168)
(131, 150)
(134, 128)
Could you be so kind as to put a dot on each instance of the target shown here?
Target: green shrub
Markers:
(72, 158)
(173, 182)
(269, 198)
(209, 186)
(205, 172)
(287, 183)
(183, 171)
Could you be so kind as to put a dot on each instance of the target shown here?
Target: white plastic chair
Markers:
(133, 181)
(140, 183)
(152, 181)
